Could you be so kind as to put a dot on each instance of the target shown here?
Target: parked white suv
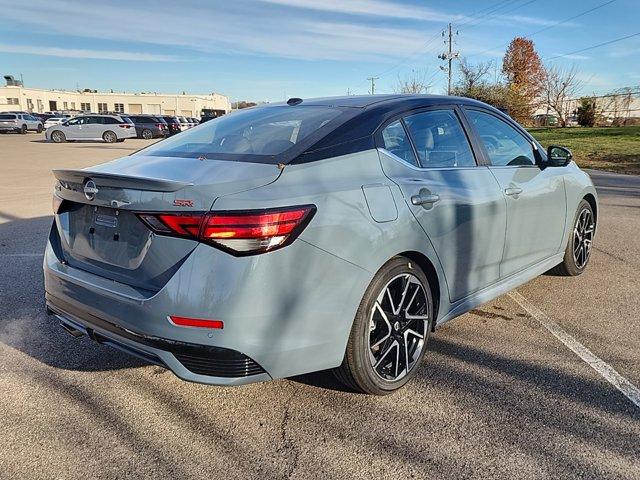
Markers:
(19, 122)
(109, 128)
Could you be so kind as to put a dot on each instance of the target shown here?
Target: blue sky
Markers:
(272, 49)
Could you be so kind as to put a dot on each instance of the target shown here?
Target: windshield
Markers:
(254, 134)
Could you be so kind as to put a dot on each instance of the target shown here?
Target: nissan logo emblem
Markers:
(90, 189)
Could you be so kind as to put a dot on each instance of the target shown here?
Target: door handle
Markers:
(512, 191)
(425, 199)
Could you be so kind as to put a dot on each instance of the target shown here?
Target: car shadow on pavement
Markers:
(26, 327)
(24, 324)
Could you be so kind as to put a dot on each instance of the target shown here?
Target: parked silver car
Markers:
(328, 233)
(19, 122)
(109, 128)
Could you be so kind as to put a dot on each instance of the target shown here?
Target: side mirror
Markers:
(558, 156)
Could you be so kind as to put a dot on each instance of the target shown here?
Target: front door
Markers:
(535, 196)
(458, 203)
(74, 129)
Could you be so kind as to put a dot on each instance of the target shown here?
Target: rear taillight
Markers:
(238, 232)
(124, 125)
(160, 125)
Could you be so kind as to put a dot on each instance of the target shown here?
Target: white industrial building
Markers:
(14, 96)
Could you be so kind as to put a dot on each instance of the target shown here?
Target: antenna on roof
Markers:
(294, 101)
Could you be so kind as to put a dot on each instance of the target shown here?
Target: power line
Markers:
(615, 40)
(547, 27)
(486, 14)
(491, 15)
(425, 48)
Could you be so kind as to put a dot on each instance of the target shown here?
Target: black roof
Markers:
(386, 100)
(370, 112)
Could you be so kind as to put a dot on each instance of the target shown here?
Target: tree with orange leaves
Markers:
(525, 75)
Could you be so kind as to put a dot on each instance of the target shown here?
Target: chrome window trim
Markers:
(426, 169)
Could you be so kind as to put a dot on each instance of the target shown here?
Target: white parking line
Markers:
(604, 369)
(21, 254)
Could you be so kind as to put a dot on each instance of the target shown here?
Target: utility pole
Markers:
(373, 84)
(449, 55)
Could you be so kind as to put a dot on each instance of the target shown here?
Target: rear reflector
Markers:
(195, 322)
(238, 232)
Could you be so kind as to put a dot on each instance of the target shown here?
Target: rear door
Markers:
(457, 202)
(535, 196)
(94, 127)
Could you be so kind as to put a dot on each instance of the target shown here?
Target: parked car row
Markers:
(107, 127)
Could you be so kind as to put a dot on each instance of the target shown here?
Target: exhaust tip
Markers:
(74, 332)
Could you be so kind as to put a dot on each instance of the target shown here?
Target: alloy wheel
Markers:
(398, 327)
(109, 137)
(583, 238)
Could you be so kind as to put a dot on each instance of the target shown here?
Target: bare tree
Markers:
(472, 75)
(415, 83)
(559, 86)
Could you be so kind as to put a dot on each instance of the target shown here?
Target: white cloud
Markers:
(382, 8)
(379, 8)
(220, 31)
(83, 53)
(298, 34)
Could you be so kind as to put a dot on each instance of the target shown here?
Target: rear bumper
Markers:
(9, 128)
(191, 362)
(289, 311)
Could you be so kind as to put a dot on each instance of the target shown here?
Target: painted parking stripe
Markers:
(604, 369)
(21, 254)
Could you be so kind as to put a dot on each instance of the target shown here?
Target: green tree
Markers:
(587, 112)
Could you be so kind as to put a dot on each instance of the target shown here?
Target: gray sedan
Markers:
(320, 234)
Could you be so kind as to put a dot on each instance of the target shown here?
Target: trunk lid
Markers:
(97, 224)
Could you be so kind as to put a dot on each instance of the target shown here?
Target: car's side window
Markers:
(504, 144)
(395, 140)
(439, 139)
(76, 121)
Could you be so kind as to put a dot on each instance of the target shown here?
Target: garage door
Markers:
(169, 112)
(153, 109)
(135, 108)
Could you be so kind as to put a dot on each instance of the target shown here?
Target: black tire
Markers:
(39, 129)
(109, 137)
(23, 130)
(120, 140)
(58, 137)
(367, 337)
(574, 262)
(147, 134)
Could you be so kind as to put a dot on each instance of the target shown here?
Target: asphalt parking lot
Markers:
(499, 396)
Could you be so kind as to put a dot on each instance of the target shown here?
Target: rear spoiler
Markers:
(120, 181)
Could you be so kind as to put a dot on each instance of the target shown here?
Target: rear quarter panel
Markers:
(343, 226)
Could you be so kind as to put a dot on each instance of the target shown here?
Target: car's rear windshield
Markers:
(257, 134)
(7, 117)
